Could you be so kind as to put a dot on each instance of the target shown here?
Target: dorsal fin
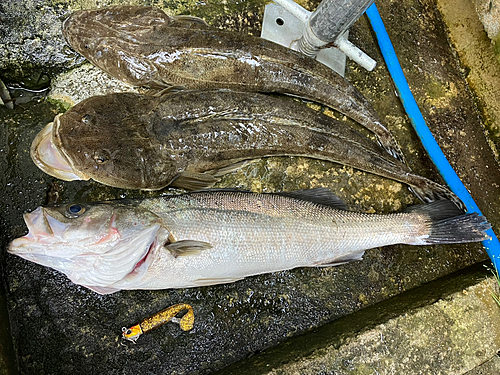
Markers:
(321, 195)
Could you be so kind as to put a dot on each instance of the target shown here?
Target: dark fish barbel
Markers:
(142, 46)
(188, 138)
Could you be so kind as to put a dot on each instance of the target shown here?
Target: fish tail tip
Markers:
(461, 229)
(447, 224)
(431, 191)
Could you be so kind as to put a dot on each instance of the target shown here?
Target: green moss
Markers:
(60, 106)
(436, 90)
(496, 46)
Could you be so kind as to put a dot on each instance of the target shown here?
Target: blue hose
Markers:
(492, 245)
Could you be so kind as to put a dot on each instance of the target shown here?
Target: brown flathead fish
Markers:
(142, 46)
(189, 138)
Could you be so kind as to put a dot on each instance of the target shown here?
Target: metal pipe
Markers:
(333, 18)
(327, 25)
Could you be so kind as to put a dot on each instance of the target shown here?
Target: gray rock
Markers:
(448, 326)
(83, 82)
(31, 40)
(489, 14)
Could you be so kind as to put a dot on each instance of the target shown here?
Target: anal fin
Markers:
(340, 260)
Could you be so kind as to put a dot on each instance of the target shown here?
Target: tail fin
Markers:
(460, 229)
(430, 191)
(445, 227)
(387, 141)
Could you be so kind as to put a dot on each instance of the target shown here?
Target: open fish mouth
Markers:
(49, 159)
(43, 230)
(40, 244)
(96, 265)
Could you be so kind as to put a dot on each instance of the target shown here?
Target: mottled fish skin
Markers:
(185, 138)
(143, 46)
(214, 237)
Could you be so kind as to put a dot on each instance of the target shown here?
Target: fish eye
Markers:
(102, 156)
(100, 159)
(75, 210)
(86, 119)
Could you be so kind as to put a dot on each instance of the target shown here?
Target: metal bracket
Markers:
(281, 27)
(288, 24)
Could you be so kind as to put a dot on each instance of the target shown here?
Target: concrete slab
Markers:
(456, 333)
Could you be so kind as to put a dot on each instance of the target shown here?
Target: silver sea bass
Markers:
(215, 237)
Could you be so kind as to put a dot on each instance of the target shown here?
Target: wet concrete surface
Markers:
(446, 326)
(59, 328)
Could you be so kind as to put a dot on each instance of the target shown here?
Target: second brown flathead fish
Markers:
(189, 138)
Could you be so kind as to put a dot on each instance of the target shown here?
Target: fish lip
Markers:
(37, 223)
(64, 28)
(43, 147)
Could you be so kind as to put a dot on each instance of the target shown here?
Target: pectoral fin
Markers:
(230, 168)
(194, 181)
(187, 247)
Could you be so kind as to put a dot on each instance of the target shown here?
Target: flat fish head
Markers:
(85, 26)
(95, 245)
(108, 37)
(49, 159)
(106, 138)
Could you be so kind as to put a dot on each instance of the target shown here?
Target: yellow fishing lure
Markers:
(186, 322)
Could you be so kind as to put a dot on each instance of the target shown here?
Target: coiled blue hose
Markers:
(492, 245)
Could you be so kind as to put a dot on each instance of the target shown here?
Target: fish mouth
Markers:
(44, 233)
(49, 158)
(43, 229)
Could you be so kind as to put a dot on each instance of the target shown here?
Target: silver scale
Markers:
(292, 26)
